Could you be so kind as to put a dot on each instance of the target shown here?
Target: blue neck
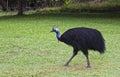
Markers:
(57, 34)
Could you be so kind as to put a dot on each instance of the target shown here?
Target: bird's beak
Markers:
(51, 31)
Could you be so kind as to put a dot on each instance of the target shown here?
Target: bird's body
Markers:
(88, 38)
(82, 39)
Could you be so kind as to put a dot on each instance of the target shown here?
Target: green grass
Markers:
(28, 49)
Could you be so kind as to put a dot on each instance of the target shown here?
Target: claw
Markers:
(66, 64)
(88, 66)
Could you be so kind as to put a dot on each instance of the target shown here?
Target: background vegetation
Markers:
(76, 6)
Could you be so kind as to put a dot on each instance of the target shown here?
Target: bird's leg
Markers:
(74, 54)
(87, 57)
(88, 62)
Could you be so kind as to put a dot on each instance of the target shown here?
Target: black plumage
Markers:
(83, 39)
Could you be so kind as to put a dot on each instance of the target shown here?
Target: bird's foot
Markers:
(66, 64)
(88, 66)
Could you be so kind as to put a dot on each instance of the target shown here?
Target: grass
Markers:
(27, 49)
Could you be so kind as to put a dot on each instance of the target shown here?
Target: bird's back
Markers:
(83, 39)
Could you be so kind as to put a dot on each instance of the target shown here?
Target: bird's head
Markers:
(54, 29)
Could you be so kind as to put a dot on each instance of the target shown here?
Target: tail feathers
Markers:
(102, 51)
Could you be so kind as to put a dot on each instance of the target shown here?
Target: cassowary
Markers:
(83, 39)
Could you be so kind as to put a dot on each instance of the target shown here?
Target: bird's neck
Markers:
(58, 34)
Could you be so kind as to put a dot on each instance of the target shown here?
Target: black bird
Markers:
(83, 39)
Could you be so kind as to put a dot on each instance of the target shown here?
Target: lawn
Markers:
(28, 49)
